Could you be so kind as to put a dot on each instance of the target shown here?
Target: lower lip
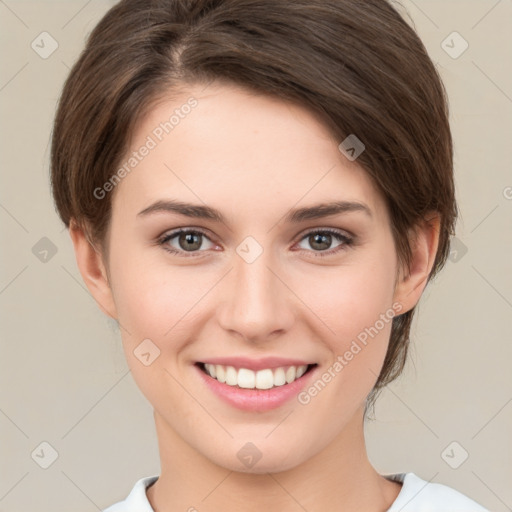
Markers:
(256, 399)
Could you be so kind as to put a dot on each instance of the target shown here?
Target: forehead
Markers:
(234, 149)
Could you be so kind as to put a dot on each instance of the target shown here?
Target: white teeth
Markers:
(264, 379)
(248, 379)
(221, 373)
(212, 370)
(231, 376)
(279, 377)
(301, 370)
(290, 374)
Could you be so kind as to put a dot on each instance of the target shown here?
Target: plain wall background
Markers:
(63, 376)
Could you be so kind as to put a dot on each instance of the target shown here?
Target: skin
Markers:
(253, 158)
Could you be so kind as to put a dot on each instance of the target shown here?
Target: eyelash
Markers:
(347, 242)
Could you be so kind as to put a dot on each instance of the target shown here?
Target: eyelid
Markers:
(337, 231)
(185, 229)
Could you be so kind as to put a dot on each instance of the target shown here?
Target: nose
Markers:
(256, 302)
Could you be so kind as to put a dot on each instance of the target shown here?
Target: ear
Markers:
(424, 241)
(93, 271)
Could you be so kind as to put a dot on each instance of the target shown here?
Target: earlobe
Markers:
(93, 270)
(424, 243)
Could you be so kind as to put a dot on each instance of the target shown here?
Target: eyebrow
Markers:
(294, 216)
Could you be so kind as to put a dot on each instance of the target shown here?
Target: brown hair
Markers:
(359, 65)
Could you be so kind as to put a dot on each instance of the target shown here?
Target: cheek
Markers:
(151, 297)
(351, 298)
(157, 304)
(356, 311)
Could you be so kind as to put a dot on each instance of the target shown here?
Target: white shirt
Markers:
(416, 495)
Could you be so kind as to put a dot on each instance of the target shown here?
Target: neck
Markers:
(340, 477)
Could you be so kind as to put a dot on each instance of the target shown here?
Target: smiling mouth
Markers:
(243, 378)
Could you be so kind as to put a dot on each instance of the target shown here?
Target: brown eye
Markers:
(184, 240)
(321, 241)
(190, 241)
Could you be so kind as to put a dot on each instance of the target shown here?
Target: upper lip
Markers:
(256, 364)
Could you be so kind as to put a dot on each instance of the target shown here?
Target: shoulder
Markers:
(418, 495)
(137, 500)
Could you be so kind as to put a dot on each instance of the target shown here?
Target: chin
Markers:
(249, 459)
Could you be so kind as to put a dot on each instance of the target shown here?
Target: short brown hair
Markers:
(359, 65)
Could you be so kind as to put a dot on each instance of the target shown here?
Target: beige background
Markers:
(64, 380)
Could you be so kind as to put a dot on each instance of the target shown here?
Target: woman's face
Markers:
(266, 282)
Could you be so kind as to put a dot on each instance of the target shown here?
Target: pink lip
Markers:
(256, 364)
(255, 400)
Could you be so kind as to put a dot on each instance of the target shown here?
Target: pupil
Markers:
(319, 239)
(188, 238)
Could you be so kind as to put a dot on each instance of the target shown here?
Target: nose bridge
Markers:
(256, 303)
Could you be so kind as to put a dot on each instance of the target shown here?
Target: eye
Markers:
(321, 239)
(188, 240)
(191, 240)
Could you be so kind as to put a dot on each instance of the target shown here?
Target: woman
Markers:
(258, 193)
